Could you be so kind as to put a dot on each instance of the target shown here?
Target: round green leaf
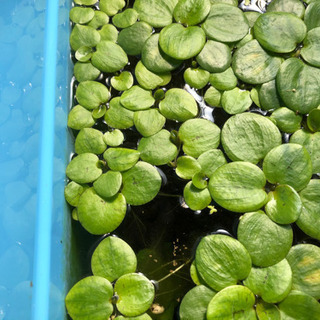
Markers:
(222, 261)
(225, 80)
(109, 33)
(286, 119)
(113, 138)
(214, 57)
(268, 245)
(309, 221)
(98, 215)
(313, 120)
(121, 159)
(79, 118)
(111, 7)
(211, 160)
(234, 302)
(236, 101)
(117, 116)
(100, 19)
(252, 17)
(268, 96)
(90, 299)
(108, 184)
(158, 13)
(196, 199)
(83, 54)
(272, 283)
(311, 141)
(187, 167)
(73, 191)
(137, 98)
(148, 122)
(99, 112)
(271, 30)
(123, 81)
(253, 65)
(90, 141)
(194, 304)
(158, 148)
(141, 183)
(238, 186)
(125, 19)
(284, 205)
(178, 105)
(136, 294)
(83, 36)
(191, 12)
(155, 59)
(84, 168)
(266, 311)
(109, 57)
(311, 17)
(292, 6)
(181, 43)
(304, 260)
(91, 94)
(81, 15)
(225, 23)
(299, 306)
(196, 78)
(298, 85)
(113, 258)
(212, 97)
(199, 136)
(249, 137)
(132, 39)
(288, 164)
(200, 181)
(85, 71)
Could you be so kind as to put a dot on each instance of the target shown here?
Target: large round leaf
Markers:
(141, 183)
(90, 299)
(253, 65)
(196, 77)
(121, 159)
(288, 164)
(98, 215)
(271, 30)
(249, 137)
(73, 191)
(234, 302)
(136, 294)
(238, 186)
(191, 12)
(81, 15)
(286, 120)
(113, 258)
(90, 141)
(268, 245)
(198, 136)
(108, 184)
(84, 36)
(148, 122)
(292, 6)
(236, 101)
(181, 43)
(80, 117)
(137, 98)
(311, 47)
(304, 260)
(272, 283)
(298, 85)
(225, 23)
(222, 261)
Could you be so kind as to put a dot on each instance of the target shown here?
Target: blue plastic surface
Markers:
(34, 150)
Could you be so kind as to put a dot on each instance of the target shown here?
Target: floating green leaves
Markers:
(196, 77)
(286, 120)
(126, 18)
(73, 191)
(81, 15)
(313, 120)
(187, 167)
(311, 47)
(123, 81)
(79, 118)
(111, 7)
(85, 71)
(148, 122)
(191, 12)
(108, 184)
(137, 98)
(195, 198)
(90, 141)
(211, 160)
(311, 17)
(84, 36)
(236, 101)
(267, 311)
(121, 159)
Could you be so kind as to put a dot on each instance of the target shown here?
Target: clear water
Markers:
(21, 66)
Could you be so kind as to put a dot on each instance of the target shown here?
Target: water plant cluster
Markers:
(263, 71)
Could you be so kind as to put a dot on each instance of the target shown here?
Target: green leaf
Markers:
(99, 112)
(252, 17)
(123, 81)
(212, 97)
(196, 199)
(194, 304)
(292, 6)
(137, 98)
(234, 302)
(84, 168)
(288, 164)
(198, 136)
(141, 183)
(157, 149)
(136, 294)
(222, 261)
(225, 80)
(253, 65)
(108, 184)
(187, 167)
(113, 138)
(91, 94)
(298, 85)
(284, 205)
(270, 30)
(148, 122)
(85, 71)
(311, 17)
(109, 33)
(211, 160)
(90, 141)
(238, 186)
(132, 39)
(196, 78)
(113, 258)
(121, 159)
(111, 7)
(73, 191)
(83, 36)
(100, 19)
(268, 96)
(109, 57)
(181, 43)
(286, 120)
(89, 299)
(79, 118)
(313, 120)
(81, 15)
(268, 245)
(249, 137)
(178, 105)
(225, 23)
(200, 181)
(272, 283)
(126, 18)
(266, 311)
(83, 54)
(98, 215)
(236, 101)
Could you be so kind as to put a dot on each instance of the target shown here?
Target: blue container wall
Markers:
(22, 100)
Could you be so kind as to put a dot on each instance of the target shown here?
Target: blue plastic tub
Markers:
(35, 76)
